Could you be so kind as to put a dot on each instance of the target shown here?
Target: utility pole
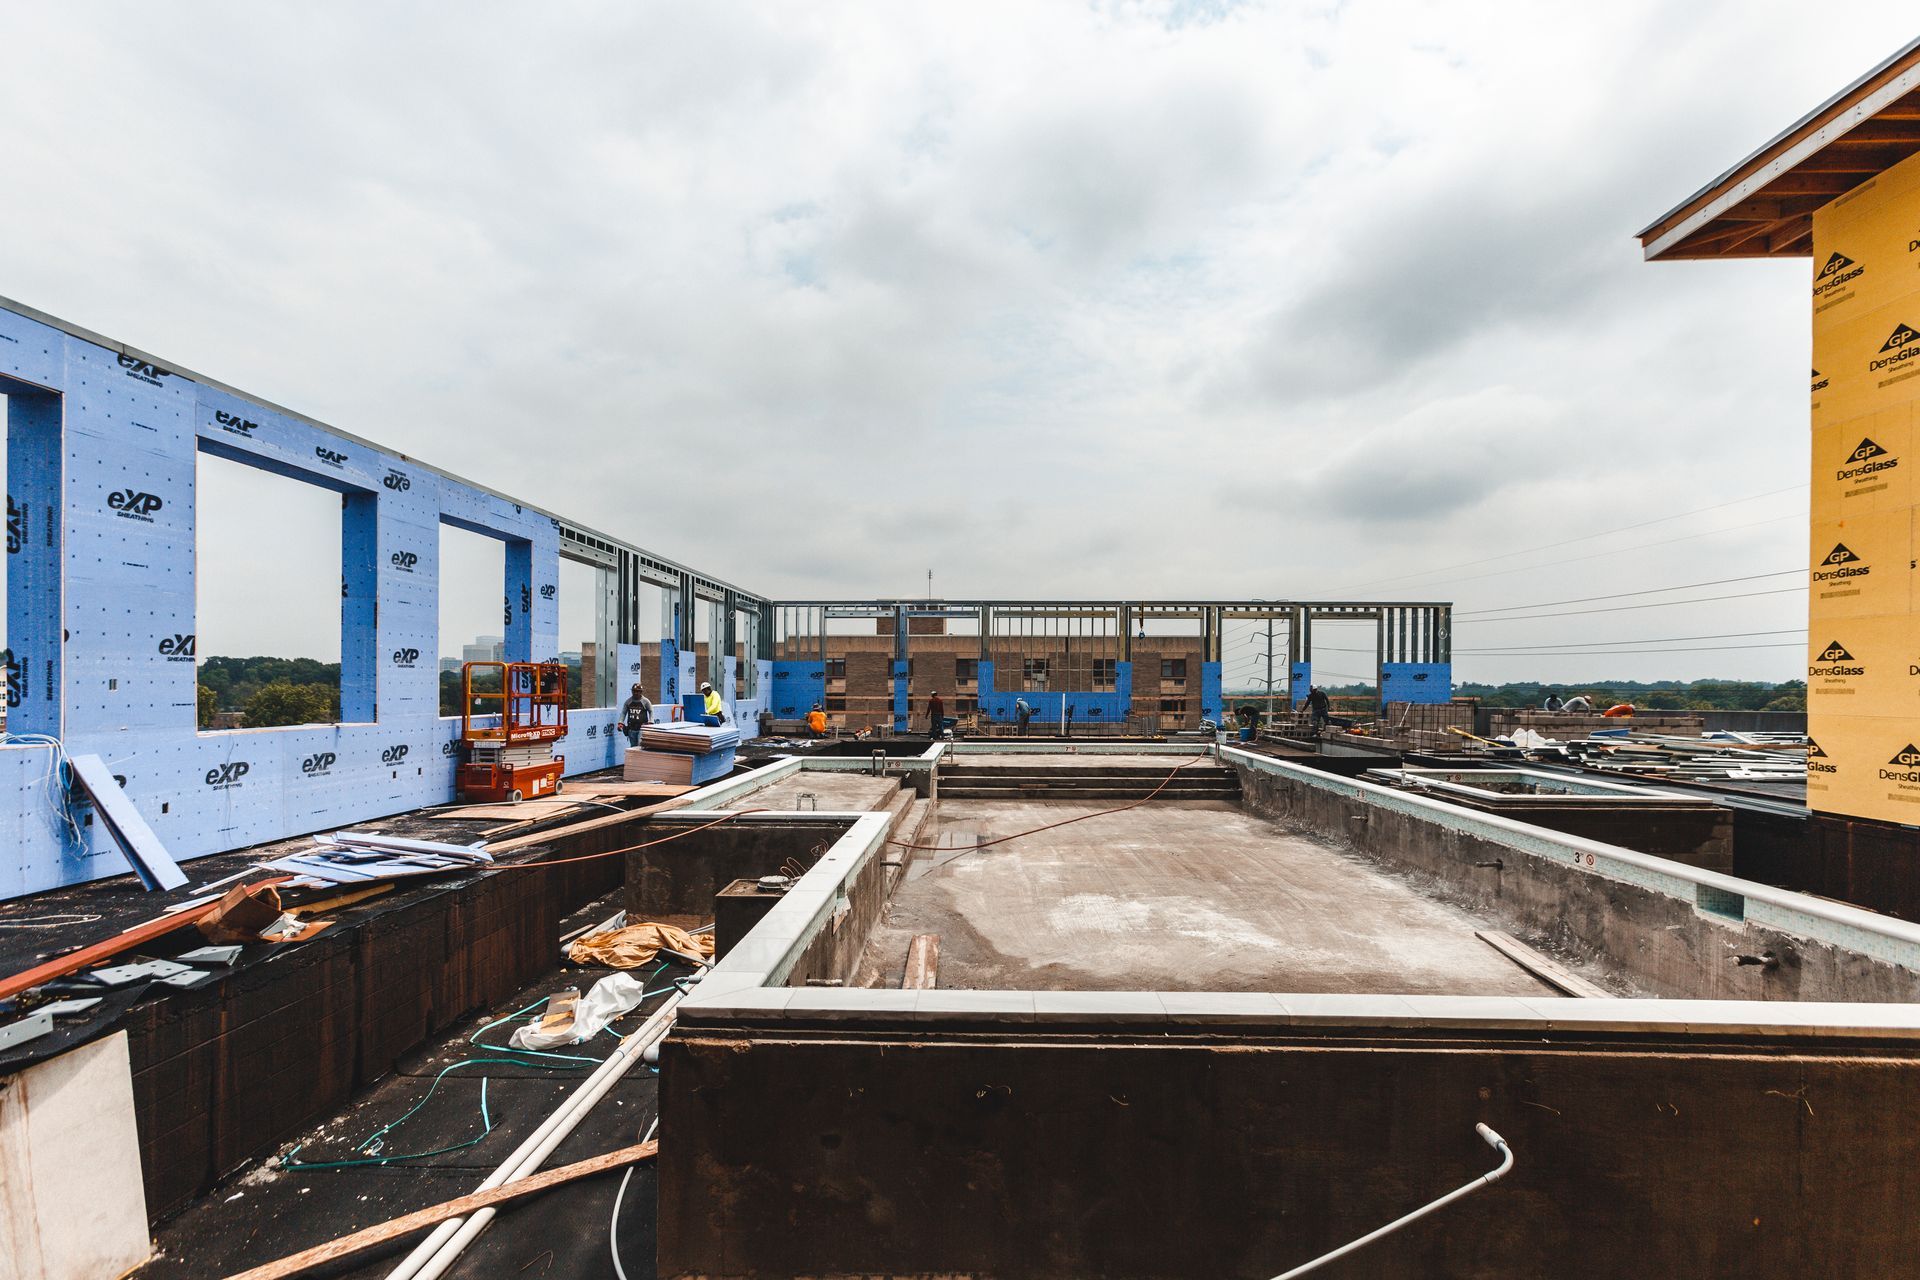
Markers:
(1269, 672)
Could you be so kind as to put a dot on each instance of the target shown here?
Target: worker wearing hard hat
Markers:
(817, 722)
(713, 706)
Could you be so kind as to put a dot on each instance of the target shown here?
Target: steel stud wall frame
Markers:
(102, 455)
(1413, 651)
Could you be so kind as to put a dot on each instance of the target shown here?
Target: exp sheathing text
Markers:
(102, 452)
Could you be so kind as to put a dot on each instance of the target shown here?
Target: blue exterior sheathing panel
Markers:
(34, 545)
(1416, 682)
(1048, 707)
(669, 673)
(797, 686)
(900, 695)
(102, 475)
(627, 658)
(1300, 681)
(1211, 705)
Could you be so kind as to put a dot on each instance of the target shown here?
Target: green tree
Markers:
(284, 702)
(209, 703)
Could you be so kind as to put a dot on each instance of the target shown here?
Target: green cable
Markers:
(486, 1119)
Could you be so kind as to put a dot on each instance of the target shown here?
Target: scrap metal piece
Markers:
(212, 955)
(31, 1027)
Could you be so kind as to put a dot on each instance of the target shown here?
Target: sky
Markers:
(1104, 300)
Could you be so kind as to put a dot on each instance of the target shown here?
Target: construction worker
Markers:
(1552, 703)
(1578, 705)
(1318, 708)
(635, 715)
(817, 722)
(936, 712)
(1022, 713)
(712, 704)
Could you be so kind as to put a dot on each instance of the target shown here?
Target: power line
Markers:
(1658, 604)
(1544, 646)
(1508, 555)
(1617, 653)
(1601, 555)
(1596, 644)
(1622, 595)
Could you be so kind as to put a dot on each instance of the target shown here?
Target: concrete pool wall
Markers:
(830, 1130)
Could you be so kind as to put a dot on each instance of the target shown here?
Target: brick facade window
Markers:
(1173, 706)
(836, 668)
(1034, 670)
(836, 702)
(966, 670)
(1106, 674)
(1173, 668)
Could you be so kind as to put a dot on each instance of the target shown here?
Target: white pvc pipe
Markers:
(1492, 1139)
(432, 1256)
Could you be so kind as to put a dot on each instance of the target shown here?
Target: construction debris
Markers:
(637, 944)
(358, 857)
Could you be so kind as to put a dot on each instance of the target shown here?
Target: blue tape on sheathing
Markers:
(101, 465)
(1416, 682)
(797, 686)
(1210, 704)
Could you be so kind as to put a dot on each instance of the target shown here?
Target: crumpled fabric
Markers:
(573, 1021)
(637, 944)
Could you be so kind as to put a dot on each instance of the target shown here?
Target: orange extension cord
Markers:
(613, 853)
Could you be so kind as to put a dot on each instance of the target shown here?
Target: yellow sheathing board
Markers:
(1866, 253)
(1864, 465)
(1863, 655)
(1869, 362)
(1869, 767)
(1864, 667)
(1861, 567)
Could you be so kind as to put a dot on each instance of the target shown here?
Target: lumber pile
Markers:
(690, 739)
(688, 754)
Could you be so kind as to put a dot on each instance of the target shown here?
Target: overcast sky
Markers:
(1199, 299)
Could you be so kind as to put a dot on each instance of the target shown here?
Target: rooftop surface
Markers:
(1198, 896)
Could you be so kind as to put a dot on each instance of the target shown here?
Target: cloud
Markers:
(1117, 299)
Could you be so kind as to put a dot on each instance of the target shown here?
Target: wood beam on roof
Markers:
(1865, 161)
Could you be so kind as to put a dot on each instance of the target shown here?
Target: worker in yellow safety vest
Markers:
(713, 704)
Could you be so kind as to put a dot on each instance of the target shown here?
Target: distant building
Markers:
(484, 649)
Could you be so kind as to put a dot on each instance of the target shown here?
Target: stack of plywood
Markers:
(690, 739)
(689, 758)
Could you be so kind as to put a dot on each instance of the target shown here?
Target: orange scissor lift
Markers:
(511, 758)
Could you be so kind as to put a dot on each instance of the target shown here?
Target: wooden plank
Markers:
(1545, 968)
(406, 1224)
(923, 963)
(108, 948)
